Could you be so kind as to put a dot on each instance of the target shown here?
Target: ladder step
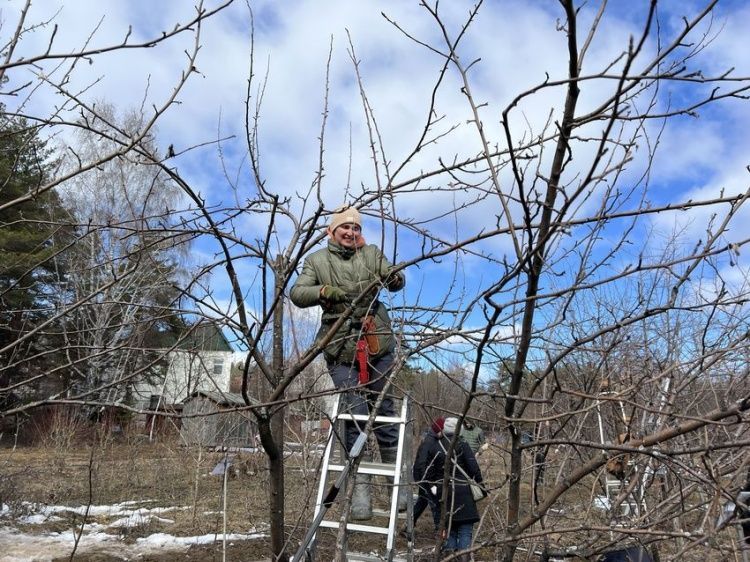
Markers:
(364, 418)
(387, 513)
(376, 468)
(362, 557)
(355, 527)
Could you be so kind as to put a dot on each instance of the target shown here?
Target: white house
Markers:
(201, 361)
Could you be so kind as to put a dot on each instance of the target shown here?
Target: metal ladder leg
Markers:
(307, 548)
(395, 471)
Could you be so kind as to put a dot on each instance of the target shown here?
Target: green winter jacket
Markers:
(474, 436)
(352, 271)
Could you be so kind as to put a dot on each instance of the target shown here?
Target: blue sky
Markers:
(519, 46)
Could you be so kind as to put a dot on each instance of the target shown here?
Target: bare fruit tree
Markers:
(594, 325)
(594, 360)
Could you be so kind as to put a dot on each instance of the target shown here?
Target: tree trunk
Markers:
(276, 422)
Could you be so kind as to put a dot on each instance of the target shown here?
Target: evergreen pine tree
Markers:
(28, 230)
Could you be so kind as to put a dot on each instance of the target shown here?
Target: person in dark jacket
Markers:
(428, 472)
(461, 509)
(360, 356)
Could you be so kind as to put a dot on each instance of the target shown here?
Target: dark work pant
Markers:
(459, 537)
(426, 497)
(360, 401)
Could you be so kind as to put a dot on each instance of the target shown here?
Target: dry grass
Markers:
(166, 474)
(100, 469)
(103, 470)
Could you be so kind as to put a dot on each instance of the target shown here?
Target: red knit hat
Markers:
(437, 425)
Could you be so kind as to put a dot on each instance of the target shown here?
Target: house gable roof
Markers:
(205, 336)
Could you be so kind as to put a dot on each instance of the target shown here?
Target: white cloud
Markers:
(519, 45)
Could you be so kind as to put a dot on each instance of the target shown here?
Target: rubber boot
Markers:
(361, 500)
(388, 455)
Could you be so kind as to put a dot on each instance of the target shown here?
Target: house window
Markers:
(154, 401)
(218, 366)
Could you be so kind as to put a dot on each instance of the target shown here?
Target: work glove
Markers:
(333, 295)
(393, 280)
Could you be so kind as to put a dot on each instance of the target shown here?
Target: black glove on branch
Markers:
(393, 280)
(333, 295)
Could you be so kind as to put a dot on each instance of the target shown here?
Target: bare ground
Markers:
(163, 475)
(101, 470)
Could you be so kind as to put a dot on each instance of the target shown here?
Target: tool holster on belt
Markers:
(366, 346)
(370, 335)
(361, 355)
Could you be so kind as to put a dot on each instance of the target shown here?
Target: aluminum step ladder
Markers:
(400, 471)
(632, 505)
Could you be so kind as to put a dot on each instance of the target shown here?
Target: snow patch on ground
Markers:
(137, 520)
(17, 546)
(163, 540)
(118, 509)
(38, 519)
